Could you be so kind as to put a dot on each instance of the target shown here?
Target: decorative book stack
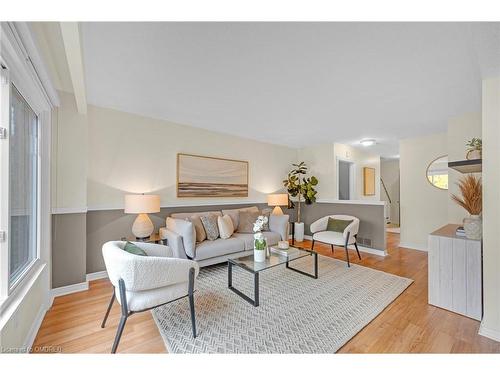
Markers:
(284, 252)
(460, 232)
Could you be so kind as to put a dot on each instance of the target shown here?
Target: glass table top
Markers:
(272, 260)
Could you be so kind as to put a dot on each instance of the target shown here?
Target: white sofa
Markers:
(181, 238)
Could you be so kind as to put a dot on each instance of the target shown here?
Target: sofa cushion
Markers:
(246, 221)
(334, 238)
(210, 225)
(186, 230)
(225, 225)
(247, 239)
(219, 247)
(272, 238)
(201, 235)
(187, 215)
(235, 214)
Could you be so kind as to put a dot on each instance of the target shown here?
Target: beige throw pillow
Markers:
(235, 214)
(247, 219)
(201, 235)
(225, 225)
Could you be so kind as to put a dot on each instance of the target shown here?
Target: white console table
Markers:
(455, 272)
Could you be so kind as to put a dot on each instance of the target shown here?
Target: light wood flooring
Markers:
(408, 325)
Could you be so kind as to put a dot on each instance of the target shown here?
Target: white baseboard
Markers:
(489, 333)
(30, 338)
(413, 246)
(68, 289)
(97, 275)
(362, 249)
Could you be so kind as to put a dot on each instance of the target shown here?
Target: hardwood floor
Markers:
(408, 325)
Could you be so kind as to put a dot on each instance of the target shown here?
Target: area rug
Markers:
(297, 314)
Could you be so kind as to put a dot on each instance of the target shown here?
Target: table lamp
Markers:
(277, 200)
(142, 204)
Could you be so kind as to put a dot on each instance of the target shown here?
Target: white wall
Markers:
(133, 154)
(490, 325)
(320, 160)
(424, 208)
(460, 130)
(389, 171)
(69, 156)
(360, 159)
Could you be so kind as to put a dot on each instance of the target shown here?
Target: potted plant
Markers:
(474, 149)
(300, 186)
(472, 201)
(259, 242)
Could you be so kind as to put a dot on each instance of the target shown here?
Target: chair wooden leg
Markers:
(191, 300)
(109, 309)
(312, 246)
(119, 332)
(333, 251)
(357, 250)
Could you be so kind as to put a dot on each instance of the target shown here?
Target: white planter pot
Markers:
(259, 255)
(473, 227)
(473, 155)
(299, 232)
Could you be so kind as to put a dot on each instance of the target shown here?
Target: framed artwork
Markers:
(205, 176)
(368, 181)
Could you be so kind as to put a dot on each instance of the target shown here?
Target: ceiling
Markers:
(295, 84)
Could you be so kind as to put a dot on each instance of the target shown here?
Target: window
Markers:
(23, 186)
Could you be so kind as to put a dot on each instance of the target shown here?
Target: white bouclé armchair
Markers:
(142, 283)
(346, 238)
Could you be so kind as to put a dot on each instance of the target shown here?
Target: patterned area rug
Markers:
(297, 314)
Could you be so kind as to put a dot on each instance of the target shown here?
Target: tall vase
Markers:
(473, 227)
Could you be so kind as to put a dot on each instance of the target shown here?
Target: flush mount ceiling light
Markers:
(367, 142)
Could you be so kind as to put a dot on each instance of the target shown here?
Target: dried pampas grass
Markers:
(471, 190)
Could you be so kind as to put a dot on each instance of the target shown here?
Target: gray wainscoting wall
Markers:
(107, 225)
(69, 249)
(78, 238)
(371, 228)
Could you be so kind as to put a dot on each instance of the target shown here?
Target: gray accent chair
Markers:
(346, 238)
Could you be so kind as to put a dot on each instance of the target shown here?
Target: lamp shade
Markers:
(277, 200)
(142, 204)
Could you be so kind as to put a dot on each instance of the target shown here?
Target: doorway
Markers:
(345, 178)
(389, 188)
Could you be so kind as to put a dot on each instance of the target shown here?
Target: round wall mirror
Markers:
(437, 172)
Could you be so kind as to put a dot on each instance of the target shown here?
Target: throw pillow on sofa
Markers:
(201, 235)
(247, 219)
(267, 213)
(210, 225)
(225, 225)
(235, 214)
